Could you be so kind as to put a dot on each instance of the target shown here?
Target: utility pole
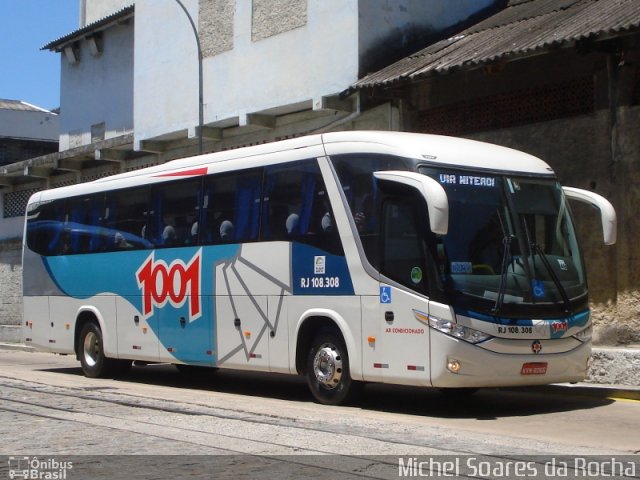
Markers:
(200, 85)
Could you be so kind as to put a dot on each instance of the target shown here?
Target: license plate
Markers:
(536, 368)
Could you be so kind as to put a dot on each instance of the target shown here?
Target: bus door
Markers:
(403, 340)
(413, 210)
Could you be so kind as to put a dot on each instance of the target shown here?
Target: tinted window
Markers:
(83, 217)
(174, 214)
(45, 226)
(406, 241)
(65, 227)
(125, 219)
(231, 207)
(296, 206)
(355, 173)
(89, 224)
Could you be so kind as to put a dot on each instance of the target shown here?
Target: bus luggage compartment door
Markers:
(184, 338)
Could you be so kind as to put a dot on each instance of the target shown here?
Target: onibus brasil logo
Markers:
(41, 469)
(174, 283)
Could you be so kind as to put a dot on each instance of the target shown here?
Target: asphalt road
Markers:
(265, 425)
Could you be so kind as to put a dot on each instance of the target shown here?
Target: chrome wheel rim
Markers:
(327, 366)
(91, 349)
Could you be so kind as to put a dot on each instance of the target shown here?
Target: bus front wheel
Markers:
(91, 352)
(328, 369)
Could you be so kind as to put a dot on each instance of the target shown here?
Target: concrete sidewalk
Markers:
(614, 373)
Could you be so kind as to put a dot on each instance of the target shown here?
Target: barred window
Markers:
(15, 203)
(510, 109)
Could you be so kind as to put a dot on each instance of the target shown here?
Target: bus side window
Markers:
(405, 252)
(231, 207)
(45, 228)
(296, 207)
(282, 203)
(125, 219)
(175, 209)
(83, 226)
(247, 208)
(355, 172)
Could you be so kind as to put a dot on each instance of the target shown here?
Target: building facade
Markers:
(26, 131)
(559, 80)
(271, 69)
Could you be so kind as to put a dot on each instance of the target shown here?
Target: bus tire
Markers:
(328, 373)
(91, 352)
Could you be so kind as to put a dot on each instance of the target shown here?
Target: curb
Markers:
(592, 390)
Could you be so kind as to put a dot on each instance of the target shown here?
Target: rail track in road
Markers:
(157, 418)
(46, 406)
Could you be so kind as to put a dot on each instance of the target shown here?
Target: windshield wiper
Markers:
(537, 250)
(563, 293)
(506, 258)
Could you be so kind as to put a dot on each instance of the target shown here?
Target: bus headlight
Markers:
(458, 331)
(584, 335)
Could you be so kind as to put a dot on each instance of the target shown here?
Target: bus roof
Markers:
(438, 150)
(431, 149)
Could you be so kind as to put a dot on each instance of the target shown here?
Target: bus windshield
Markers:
(511, 240)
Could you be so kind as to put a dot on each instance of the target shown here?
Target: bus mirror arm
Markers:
(430, 189)
(607, 212)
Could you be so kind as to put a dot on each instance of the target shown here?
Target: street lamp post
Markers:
(200, 88)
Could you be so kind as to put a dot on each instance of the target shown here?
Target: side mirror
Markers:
(607, 212)
(430, 189)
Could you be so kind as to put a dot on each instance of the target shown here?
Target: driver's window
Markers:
(404, 242)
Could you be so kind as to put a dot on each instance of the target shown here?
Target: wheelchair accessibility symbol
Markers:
(538, 288)
(385, 294)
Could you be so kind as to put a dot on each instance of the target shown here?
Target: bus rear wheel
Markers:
(328, 374)
(91, 352)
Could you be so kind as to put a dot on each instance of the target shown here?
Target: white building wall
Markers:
(302, 64)
(266, 62)
(299, 65)
(92, 10)
(10, 228)
(166, 80)
(42, 125)
(98, 89)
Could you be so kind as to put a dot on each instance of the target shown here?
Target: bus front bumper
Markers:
(458, 364)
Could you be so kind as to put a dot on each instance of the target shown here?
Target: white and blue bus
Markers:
(346, 257)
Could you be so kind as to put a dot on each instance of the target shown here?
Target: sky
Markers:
(26, 72)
